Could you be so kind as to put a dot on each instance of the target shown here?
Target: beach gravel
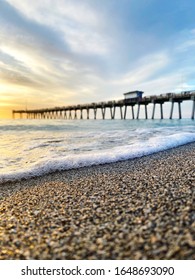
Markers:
(137, 209)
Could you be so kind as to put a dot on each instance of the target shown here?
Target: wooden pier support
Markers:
(153, 111)
(171, 113)
(125, 112)
(154, 107)
(81, 116)
(103, 112)
(193, 108)
(161, 111)
(95, 113)
(113, 113)
(138, 110)
(132, 110)
(121, 110)
(88, 113)
(146, 112)
(179, 109)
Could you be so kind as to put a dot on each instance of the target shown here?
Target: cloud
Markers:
(55, 51)
(83, 51)
(145, 69)
(186, 41)
(52, 12)
(76, 23)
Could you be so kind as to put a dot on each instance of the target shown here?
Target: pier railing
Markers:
(71, 111)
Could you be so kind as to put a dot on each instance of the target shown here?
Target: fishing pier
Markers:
(131, 99)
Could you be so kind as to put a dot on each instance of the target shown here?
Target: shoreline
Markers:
(141, 208)
(46, 169)
(11, 182)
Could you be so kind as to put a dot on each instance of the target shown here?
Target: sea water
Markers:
(35, 147)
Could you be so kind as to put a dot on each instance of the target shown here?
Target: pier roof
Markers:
(133, 92)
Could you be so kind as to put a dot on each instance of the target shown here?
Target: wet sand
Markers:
(136, 209)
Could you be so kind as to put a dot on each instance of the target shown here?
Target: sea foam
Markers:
(36, 152)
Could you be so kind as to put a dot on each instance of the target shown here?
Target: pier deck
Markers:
(70, 112)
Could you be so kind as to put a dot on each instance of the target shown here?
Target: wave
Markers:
(138, 149)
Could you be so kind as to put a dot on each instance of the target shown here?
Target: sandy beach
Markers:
(136, 209)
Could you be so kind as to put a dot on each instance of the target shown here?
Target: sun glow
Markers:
(11, 97)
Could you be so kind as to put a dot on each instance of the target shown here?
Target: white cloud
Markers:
(86, 42)
(186, 41)
(55, 12)
(81, 26)
(144, 69)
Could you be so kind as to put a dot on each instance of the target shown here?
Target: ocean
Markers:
(31, 148)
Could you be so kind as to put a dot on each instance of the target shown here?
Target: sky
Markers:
(63, 52)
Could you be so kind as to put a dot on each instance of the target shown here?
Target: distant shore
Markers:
(136, 209)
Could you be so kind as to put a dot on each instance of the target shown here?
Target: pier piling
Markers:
(161, 111)
(103, 112)
(132, 110)
(125, 112)
(121, 110)
(138, 110)
(95, 113)
(179, 109)
(193, 108)
(146, 112)
(153, 111)
(171, 113)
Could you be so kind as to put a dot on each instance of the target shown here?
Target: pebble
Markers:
(135, 209)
